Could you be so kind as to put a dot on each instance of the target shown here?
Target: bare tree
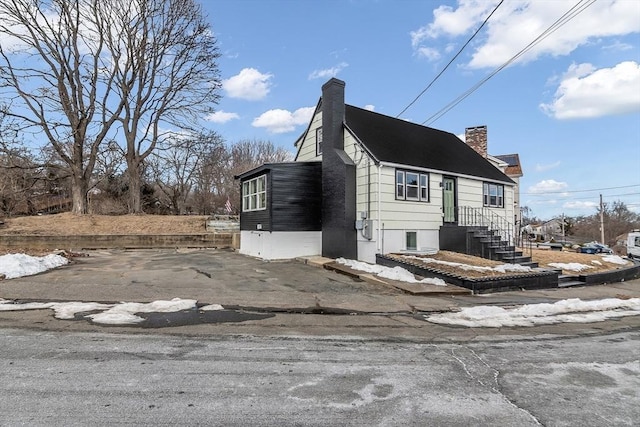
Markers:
(175, 164)
(71, 69)
(211, 180)
(58, 80)
(169, 76)
(18, 179)
(248, 154)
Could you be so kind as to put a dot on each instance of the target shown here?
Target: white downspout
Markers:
(379, 208)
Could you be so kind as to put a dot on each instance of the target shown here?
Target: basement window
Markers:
(411, 240)
(254, 194)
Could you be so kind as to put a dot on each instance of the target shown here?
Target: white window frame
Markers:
(420, 188)
(254, 194)
(319, 141)
(492, 195)
(399, 185)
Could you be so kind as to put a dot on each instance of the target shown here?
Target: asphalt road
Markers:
(92, 378)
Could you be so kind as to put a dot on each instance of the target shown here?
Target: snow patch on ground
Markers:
(18, 265)
(571, 266)
(615, 259)
(123, 313)
(565, 311)
(211, 307)
(503, 268)
(396, 273)
(577, 267)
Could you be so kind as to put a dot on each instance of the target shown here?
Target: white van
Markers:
(633, 244)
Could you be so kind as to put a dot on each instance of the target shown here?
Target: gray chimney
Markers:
(476, 138)
(339, 236)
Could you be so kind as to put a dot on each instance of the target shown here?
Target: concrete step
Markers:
(516, 259)
(529, 264)
(570, 284)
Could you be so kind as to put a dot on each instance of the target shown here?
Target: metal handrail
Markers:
(498, 225)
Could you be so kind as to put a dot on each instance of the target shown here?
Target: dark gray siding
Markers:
(294, 198)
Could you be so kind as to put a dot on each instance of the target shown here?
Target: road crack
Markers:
(477, 369)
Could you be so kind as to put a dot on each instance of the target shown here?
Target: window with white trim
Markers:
(412, 186)
(492, 195)
(318, 141)
(254, 194)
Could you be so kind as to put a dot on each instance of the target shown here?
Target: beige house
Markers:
(388, 185)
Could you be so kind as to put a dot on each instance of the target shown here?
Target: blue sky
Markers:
(569, 106)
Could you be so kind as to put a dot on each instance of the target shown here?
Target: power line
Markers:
(581, 191)
(451, 61)
(568, 16)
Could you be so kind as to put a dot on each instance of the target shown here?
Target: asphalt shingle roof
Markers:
(398, 141)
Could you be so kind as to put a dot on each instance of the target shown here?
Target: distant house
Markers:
(546, 231)
(363, 183)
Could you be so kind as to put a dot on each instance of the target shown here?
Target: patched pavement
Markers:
(239, 282)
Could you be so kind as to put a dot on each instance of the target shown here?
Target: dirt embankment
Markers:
(67, 224)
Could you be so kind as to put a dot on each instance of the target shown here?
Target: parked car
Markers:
(594, 248)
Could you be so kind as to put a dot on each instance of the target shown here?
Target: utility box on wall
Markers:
(365, 226)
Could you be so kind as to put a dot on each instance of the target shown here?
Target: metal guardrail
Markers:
(496, 224)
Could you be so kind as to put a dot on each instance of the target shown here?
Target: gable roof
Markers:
(404, 143)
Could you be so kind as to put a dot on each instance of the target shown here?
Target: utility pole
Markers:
(562, 224)
(601, 221)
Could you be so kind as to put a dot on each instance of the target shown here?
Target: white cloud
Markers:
(549, 202)
(370, 107)
(329, 72)
(518, 22)
(585, 92)
(221, 117)
(282, 121)
(580, 205)
(450, 22)
(462, 137)
(249, 84)
(618, 46)
(543, 168)
(547, 185)
(429, 53)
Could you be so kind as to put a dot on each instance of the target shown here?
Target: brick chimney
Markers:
(476, 138)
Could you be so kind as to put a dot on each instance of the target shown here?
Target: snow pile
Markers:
(123, 313)
(212, 307)
(396, 273)
(577, 267)
(18, 265)
(571, 266)
(68, 310)
(614, 259)
(503, 268)
(565, 311)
